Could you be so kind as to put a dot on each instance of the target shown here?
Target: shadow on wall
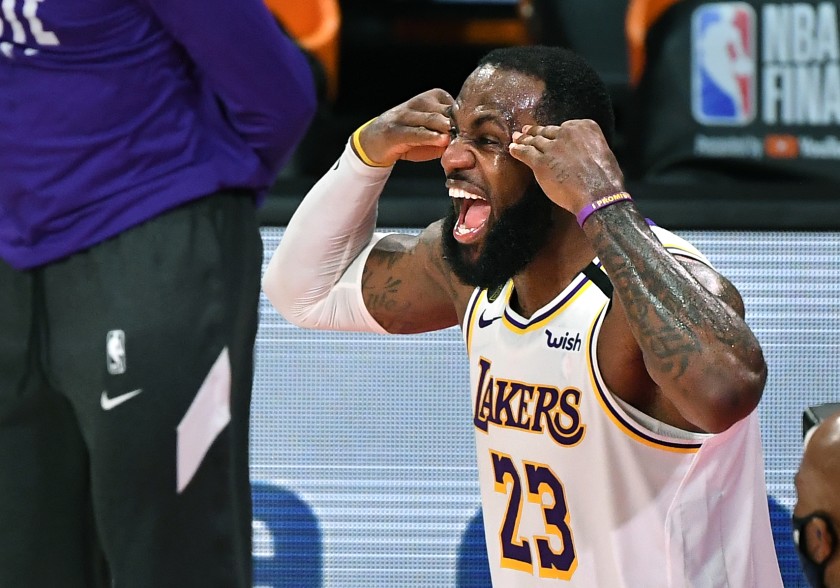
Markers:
(792, 576)
(474, 569)
(288, 551)
(287, 540)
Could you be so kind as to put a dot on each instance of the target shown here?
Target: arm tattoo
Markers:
(673, 317)
(382, 295)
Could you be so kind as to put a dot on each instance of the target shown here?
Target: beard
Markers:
(511, 243)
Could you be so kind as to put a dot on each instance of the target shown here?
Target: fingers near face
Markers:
(431, 110)
(568, 137)
(422, 118)
(533, 140)
(521, 147)
(547, 131)
(568, 129)
(434, 101)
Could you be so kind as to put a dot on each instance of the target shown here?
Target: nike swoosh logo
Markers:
(482, 322)
(109, 403)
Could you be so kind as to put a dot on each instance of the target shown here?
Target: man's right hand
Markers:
(416, 130)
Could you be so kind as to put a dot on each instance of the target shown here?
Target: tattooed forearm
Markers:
(660, 331)
(677, 322)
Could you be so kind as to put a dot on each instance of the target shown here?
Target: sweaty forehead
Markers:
(490, 91)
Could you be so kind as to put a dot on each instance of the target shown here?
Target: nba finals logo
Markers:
(723, 64)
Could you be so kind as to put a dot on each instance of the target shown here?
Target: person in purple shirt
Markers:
(137, 138)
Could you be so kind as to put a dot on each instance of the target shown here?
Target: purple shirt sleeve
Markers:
(259, 75)
(115, 111)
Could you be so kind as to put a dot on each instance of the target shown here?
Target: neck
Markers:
(565, 254)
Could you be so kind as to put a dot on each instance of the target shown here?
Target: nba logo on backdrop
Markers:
(723, 64)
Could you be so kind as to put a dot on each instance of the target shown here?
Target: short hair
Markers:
(573, 90)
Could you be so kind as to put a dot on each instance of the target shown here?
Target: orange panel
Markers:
(315, 25)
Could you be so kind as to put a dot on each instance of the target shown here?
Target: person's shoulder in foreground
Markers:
(816, 516)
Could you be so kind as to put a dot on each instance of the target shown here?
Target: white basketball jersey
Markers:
(581, 490)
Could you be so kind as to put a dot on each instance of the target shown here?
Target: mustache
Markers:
(458, 176)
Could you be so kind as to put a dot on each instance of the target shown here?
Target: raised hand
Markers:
(572, 162)
(416, 130)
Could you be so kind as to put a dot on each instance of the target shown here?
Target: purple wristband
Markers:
(587, 210)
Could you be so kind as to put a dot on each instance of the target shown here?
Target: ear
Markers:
(819, 540)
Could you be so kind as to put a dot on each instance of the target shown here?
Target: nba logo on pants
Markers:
(115, 351)
(723, 64)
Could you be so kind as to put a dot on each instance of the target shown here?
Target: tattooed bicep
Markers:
(382, 279)
(388, 252)
(402, 288)
(385, 301)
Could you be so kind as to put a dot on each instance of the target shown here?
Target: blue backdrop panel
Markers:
(363, 457)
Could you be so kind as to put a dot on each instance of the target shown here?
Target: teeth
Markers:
(460, 193)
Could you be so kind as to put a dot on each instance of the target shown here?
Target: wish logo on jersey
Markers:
(723, 64)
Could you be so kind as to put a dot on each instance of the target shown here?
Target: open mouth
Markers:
(473, 215)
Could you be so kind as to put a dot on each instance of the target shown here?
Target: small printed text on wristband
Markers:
(587, 210)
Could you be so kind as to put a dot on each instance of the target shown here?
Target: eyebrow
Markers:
(488, 117)
(491, 118)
